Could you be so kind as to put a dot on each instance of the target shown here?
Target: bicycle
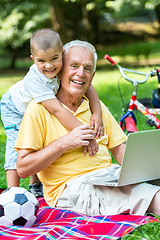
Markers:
(128, 120)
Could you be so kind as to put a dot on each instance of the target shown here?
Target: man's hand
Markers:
(82, 136)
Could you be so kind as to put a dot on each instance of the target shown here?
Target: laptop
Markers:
(141, 162)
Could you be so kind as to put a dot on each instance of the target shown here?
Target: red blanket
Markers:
(54, 223)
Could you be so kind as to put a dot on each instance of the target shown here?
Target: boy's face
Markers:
(49, 62)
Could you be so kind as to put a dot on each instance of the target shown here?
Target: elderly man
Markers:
(47, 148)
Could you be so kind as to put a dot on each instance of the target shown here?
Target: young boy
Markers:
(41, 84)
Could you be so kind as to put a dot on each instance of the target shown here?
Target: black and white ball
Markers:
(18, 207)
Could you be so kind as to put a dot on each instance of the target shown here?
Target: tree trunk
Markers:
(14, 58)
(72, 20)
(91, 24)
(87, 27)
(94, 21)
(157, 10)
(58, 18)
(75, 21)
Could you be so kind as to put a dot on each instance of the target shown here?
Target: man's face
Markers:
(49, 62)
(78, 70)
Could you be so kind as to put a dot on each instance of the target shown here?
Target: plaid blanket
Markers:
(54, 223)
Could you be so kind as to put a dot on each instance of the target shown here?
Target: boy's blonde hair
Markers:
(45, 38)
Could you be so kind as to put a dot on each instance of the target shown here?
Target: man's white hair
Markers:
(79, 43)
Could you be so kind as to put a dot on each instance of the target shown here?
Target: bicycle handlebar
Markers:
(107, 57)
(123, 70)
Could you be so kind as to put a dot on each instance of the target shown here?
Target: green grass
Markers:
(6, 80)
(149, 231)
(106, 84)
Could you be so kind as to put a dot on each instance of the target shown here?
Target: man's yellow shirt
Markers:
(39, 128)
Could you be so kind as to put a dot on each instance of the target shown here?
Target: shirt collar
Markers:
(82, 108)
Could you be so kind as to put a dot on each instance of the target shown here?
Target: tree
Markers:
(18, 21)
(77, 18)
(71, 18)
(126, 8)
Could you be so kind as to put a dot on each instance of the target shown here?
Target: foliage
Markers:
(126, 9)
(18, 21)
(73, 19)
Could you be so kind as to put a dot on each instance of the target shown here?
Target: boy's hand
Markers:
(96, 124)
(92, 148)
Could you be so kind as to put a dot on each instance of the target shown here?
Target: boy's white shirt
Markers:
(35, 86)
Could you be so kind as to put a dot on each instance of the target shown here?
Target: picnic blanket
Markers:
(55, 223)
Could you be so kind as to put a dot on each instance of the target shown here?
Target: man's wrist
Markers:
(62, 144)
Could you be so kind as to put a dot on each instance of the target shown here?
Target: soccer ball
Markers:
(18, 207)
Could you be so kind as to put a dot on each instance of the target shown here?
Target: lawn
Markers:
(106, 84)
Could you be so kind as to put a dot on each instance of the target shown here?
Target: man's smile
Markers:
(78, 82)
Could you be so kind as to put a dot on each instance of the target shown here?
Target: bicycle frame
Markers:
(132, 122)
(128, 119)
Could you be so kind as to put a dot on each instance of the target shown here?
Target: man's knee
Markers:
(154, 206)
